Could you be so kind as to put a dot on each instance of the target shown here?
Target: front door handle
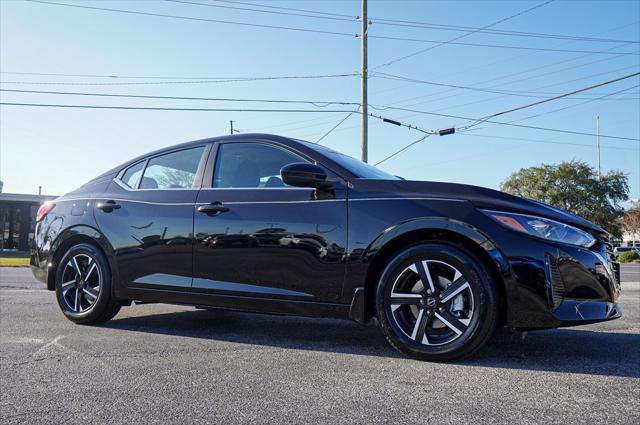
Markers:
(213, 208)
(108, 206)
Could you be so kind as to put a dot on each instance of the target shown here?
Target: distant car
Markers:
(271, 224)
(620, 249)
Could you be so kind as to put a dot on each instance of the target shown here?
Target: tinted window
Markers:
(131, 176)
(175, 170)
(251, 165)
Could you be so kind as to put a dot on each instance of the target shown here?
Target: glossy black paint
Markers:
(317, 251)
(305, 175)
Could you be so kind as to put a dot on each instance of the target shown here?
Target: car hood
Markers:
(481, 197)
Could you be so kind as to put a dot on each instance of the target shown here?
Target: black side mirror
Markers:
(302, 174)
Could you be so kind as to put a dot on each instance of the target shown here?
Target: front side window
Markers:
(251, 165)
(360, 169)
(131, 176)
(176, 170)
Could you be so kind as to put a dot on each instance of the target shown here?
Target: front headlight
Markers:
(543, 228)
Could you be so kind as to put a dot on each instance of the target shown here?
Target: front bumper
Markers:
(550, 285)
(573, 312)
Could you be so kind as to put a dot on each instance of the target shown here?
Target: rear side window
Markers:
(176, 170)
(132, 175)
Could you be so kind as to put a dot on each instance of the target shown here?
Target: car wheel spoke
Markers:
(76, 267)
(454, 289)
(404, 300)
(91, 266)
(425, 275)
(92, 293)
(421, 335)
(76, 300)
(451, 322)
(66, 286)
(419, 324)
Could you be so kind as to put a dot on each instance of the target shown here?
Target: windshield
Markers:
(357, 167)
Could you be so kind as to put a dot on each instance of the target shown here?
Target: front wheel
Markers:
(436, 302)
(83, 286)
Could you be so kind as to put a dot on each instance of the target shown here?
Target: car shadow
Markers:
(568, 350)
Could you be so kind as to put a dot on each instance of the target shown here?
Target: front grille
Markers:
(555, 281)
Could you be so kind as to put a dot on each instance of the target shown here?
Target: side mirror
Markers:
(302, 174)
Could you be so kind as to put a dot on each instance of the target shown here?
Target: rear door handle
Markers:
(108, 206)
(213, 208)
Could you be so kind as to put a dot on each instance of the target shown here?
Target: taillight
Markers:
(44, 210)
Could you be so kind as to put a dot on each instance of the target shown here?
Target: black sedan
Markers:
(270, 224)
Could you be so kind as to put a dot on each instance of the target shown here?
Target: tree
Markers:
(575, 187)
(630, 222)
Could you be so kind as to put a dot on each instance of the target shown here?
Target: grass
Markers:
(14, 261)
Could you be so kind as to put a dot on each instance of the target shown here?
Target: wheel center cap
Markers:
(431, 302)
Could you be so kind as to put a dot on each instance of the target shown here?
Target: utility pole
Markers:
(231, 125)
(598, 144)
(364, 141)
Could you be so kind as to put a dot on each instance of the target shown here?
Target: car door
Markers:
(147, 216)
(261, 238)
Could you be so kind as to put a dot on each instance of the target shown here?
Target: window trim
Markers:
(197, 181)
(207, 183)
(118, 178)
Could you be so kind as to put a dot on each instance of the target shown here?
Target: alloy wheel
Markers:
(431, 302)
(81, 283)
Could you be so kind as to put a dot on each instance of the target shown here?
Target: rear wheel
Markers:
(436, 302)
(83, 286)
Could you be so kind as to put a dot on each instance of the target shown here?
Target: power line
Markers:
(401, 124)
(557, 130)
(576, 104)
(143, 108)
(334, 127)
(453, 40)
(400, 23)
(304, 15)
(191, 18)
(515, 74)
(320, 104)
(521, 93)
(551, 142)
(540, 102)
(217, 79)
(242, 79)
(497, 46)
(285, 8)
(476, 30)
(404, 148)
(499, 97)
(67, 83)
(323, 121)
(529, 70)
(530, 77)
(484, 100)
(298, 110)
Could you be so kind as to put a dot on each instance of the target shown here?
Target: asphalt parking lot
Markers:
(168, 364)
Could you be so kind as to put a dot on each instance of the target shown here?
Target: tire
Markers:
(85, 297)
(450, 317)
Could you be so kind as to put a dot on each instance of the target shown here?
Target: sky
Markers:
(59, 149)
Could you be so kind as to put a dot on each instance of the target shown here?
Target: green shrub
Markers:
(628, 256)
